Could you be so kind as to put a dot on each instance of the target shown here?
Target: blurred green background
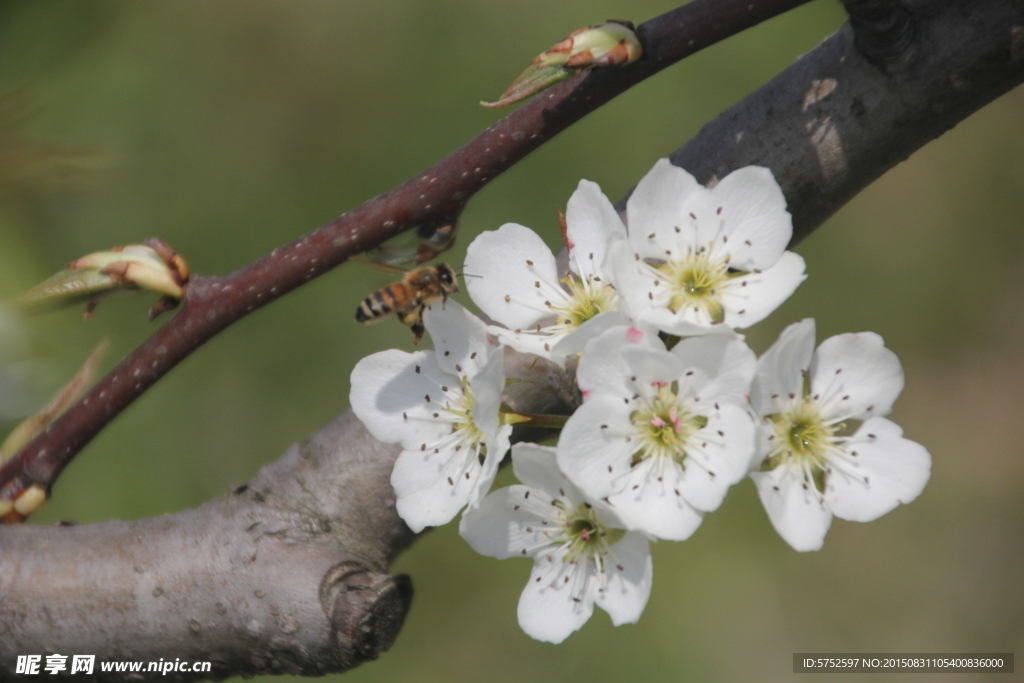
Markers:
(228, 128)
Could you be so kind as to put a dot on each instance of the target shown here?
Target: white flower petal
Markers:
(576, 341)
(722, 367)
(592, 224)
(780, 369)
(461, 343)
(855, 376)
(662, 202)
(497, 527)
(656, 507)
(754, 217)
(550, 608)
(685, 323)
(648, 366)
(389, 392)
(536, 467)
(748, 304)
(501, 281)
(630, 575)
(606, 514)
(557, 347)
(496, 450)
(602, 368)
(719, 457)
(889, 470)
(525, 341)
(596, 438)
(631, 281)
(486, 387)
(796, 512)
(432, 487)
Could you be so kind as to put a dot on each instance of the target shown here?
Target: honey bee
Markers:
(409, 296)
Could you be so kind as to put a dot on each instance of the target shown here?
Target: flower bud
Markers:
(613, 43)
(153, 266)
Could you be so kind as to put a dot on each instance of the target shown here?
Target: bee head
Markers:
(448, 278)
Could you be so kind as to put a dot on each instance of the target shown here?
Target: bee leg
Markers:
(414, 319)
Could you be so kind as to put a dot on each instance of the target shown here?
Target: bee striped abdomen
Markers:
(377, 305)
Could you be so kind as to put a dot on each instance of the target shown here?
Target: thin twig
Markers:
(214, 303)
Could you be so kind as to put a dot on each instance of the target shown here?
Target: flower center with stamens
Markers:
(664, 427)
(801, 433)
(695, 281)
(463, 422)
(587, 537)
(587, 298)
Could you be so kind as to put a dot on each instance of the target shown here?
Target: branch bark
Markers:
(884, 30)
(834, 122)
(288, 575)
(285, 574)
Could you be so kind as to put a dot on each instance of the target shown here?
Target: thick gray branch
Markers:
(832, 123)
(285, 574)
(288, 574)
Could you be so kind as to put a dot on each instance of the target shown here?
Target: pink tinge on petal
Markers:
(634, 336)
(586, 394)
(658, 384)
(657, 422)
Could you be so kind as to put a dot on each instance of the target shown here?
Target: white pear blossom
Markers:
(442, 406)
(581, 553)
(812, 466)
(512, 276)
(661, 435)
(702, 259)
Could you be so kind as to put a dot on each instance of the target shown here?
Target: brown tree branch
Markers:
(316, 513)
(439, 193)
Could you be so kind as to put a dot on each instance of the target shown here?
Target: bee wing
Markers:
(417, 246)
(385, 267)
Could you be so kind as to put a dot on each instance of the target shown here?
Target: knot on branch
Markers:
(366, 610)
(884, 31)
